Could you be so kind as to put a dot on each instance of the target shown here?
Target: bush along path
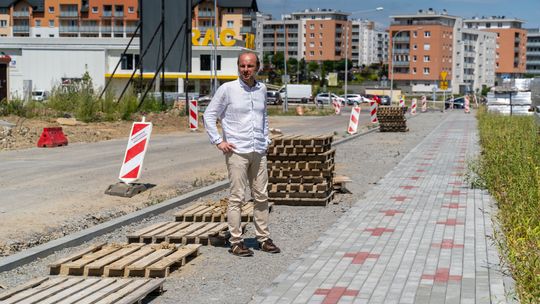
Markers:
(509, 168)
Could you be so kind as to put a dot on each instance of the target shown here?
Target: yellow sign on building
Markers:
(210, 37)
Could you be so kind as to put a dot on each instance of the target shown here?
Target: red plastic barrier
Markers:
(52, 137)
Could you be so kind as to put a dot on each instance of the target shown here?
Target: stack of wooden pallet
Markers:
(300, 170)
(392, 119)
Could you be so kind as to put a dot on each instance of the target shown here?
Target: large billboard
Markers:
(176, 15)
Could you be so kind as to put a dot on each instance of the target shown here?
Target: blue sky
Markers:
(527, 10)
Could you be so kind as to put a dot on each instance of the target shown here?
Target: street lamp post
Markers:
(380, 8)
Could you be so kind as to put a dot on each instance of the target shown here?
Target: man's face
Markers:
(247, 66)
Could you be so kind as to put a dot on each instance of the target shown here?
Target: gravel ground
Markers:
(216, 276)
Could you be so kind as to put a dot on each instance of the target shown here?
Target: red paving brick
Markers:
(378, 231)
(450, 222)
(335, 294)
(391, 212)
(442, 276)
(446, 244)
(360, 257)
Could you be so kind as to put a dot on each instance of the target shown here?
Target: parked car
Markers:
(386, 100)
(273, 97)
(458, 103)
(373, 97)
(325, 98)
(353, 99)
(40, 95)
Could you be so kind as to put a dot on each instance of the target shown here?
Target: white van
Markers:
(40, 95)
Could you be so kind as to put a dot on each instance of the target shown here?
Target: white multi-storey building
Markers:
(369, 43)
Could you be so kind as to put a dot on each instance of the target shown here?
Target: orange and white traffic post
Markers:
(424, 103)
(373, 111)
(337, 106)
(413, 106)
(132, 164)
(353, 122)
(467, 104)
(193, 115)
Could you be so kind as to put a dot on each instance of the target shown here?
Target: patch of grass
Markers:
(308, 111)
(510, 169)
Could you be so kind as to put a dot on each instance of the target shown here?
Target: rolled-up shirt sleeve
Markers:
(214, 110)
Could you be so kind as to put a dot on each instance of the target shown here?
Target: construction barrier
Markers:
(467, 105)
(353, 122)
(373, 111)
(135, 151)
(424, 103)
(413, 106)
(337, 106)
(52, 137)
(193, 115)
(402, 102)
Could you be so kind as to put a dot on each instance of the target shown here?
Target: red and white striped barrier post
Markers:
(135, 151)
(413, 106)
(424, 103)
(337, 106)
(353, 122)
(373, 111)
(402, 102)
(467, 104)
(193, 115)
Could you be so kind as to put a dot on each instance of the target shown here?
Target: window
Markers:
(3, 23)
(414, 70)
(95, 9)
(426, 71)
(312, 26)
(311, 35)
(414, 58)
(320, 25)
(131, 9)
(427, 47)
(38, 35)
(426, 58)
(206, 62)
(51, 23)
(427, 34)
(320, 35)
(415, 34)
(414, 47)
(38, 23)
(51, 9)
(230, 23)
(51, 35)
(127, 62)
(230, 10)
(312, 44)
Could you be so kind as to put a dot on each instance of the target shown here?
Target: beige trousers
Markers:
(247, 169)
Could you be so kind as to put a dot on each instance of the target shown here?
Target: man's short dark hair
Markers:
(248, 52)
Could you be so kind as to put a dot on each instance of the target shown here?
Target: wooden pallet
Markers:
(303, 194)
(300, 165)
(299, 179)
(179, 232)
(302, 140)
(302, 172)
(299, 187)
(276, 150)
(129, 260)
(213, 212)
(321, 157)
(303, 201)
(77, 290)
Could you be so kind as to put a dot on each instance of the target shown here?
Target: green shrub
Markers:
(510, 169)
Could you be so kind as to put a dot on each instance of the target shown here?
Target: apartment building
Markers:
(511, 43)
(69, 18)
(369, 44)
(315, 35)
(238, 16)
(533, 52)
(428, 46)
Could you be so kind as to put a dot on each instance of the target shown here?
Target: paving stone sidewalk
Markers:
(419, 236)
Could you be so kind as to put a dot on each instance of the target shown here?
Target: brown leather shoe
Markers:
(241, 250)
(269, 246)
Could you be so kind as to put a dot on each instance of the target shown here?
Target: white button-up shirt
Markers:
(244, 120)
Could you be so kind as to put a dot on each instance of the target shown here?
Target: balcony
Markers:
(246, 29)
(118, 29)
(68, 29)
(401, 63)
(107, 14)
(21, 14)
(535, 72)
(69, 14)
(89, 29)
(248, 15)
(533, 62)
(130, 28)
(21, 29)
(106, 29)
(119, 14)
(533, 44)
(203, 29)
(406, 39)
(402, 51)
(206, 14)
(339, 30)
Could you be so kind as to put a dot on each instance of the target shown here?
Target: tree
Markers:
(313, 67)
(292, 67)
(303, 67)
(277, 60)
(329, 65)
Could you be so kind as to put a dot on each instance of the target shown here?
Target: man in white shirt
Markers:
(241, 107)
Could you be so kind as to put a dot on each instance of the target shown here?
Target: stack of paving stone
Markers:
(392, 119)
(301, 169)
